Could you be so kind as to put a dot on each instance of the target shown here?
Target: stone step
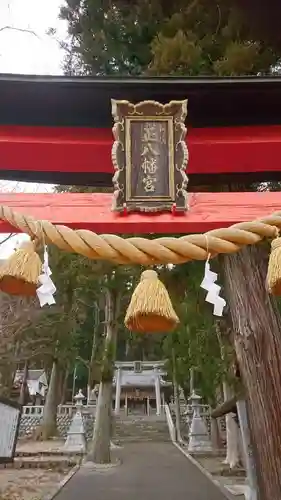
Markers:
(142, 439)
(140, 425)
(139, 432)
(150, 435)
(139, 418)
(141, 429)
(55, 463)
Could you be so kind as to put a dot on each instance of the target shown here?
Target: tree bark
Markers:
(257, 338)
(48, 426)
(215, 435)
(176, 399)
(92, 372)
(225, 408)
(64, 387)
(100, 449)
(23, 387)
(191, 381)
(61, 376)
(6, 375)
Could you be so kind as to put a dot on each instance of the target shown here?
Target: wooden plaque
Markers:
(149, 156)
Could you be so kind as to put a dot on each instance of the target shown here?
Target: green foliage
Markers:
(111, 37)
(177, 55)
(195, 342)
(208, 40)
(83, 283)
(185, 37)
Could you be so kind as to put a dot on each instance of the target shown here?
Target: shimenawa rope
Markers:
(141, 250)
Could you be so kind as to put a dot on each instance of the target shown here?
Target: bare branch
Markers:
(21, 30)
(25, 356)
(8, 238)
(84, 361)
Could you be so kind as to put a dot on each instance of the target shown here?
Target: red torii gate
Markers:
(58, 130)
(48, 152)
(93, 211)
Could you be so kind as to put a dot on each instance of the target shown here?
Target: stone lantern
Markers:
(76, 440)
(195, 400)
(199, 440)
(79, 398)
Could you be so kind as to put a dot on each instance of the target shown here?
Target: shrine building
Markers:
(140, 387)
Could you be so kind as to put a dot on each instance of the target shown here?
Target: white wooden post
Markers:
(118, 391)
(148, 406)
(157, 394)
(246, 441)
(126, 403)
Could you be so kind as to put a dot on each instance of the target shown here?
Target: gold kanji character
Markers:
(162, 134)
(149, 166)
(148, 149)
(152, 133)
(149, 184)
(149, 132)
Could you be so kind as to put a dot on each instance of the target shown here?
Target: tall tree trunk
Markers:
(61, 377)
(215, 435)
(64, 387)
(6, 380)
(48, 426)
(191, 381)
(100, 448)
(176, 398)
(257, 338)
(23, 387)
(92, 372)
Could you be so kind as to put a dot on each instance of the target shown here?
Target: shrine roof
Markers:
(32, 374)
(146, 378)
(85, 101)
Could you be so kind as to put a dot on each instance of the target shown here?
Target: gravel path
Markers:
(29, 484)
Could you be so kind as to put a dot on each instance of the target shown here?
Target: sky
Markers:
(31, 51)
(26, 48)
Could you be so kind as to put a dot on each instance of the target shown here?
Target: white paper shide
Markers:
(45, 292)
(209, 284)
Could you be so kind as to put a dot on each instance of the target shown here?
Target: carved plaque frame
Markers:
(149, 156)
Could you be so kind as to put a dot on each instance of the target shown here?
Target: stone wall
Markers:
(29, 424)
(126, 427)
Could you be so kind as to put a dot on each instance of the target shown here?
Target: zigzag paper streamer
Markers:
(45, 292)
(209, 284)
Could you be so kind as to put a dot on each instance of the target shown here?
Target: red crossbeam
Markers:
(93, 211)
(212, 150)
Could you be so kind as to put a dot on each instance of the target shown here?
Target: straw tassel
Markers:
(274, 268)
(150, 309)
(19, 274)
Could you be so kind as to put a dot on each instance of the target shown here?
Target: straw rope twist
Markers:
(141, 250)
